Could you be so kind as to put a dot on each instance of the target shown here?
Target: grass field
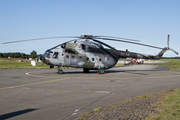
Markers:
(15, 64)
(169, 109)
(172, 64)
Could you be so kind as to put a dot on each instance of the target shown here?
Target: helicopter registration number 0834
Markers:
(124, 54)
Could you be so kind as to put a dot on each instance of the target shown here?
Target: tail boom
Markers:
(160, 54)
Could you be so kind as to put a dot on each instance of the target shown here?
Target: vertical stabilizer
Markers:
(160, 54)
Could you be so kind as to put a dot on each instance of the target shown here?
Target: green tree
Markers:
(33, 54)
(17, 55)
(1, 55)
(5, 55)
(11, 55)
(23, 55)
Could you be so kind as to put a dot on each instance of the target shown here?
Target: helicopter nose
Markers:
(42, 58)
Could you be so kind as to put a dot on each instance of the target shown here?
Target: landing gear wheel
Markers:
(60, 71)
(101, 71)
(86, 70)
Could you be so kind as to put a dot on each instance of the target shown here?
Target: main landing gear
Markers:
(101, 71)
(86, 70)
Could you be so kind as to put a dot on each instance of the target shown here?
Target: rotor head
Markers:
(86, 36)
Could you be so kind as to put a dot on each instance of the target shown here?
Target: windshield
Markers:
(48, 54)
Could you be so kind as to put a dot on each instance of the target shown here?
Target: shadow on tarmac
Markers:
(159, 68)
(14, 114)
(112, 70)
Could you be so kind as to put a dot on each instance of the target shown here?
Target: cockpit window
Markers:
(55, 56)
(50, 54)
(83, 46)
(47, 52)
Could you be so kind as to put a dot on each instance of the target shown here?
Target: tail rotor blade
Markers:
(168, 41)
(174, 51)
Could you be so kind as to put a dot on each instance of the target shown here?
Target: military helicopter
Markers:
(90, 54)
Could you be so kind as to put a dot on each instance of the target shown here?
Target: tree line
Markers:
(33, 54)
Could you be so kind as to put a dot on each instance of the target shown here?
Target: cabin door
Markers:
(67, 59)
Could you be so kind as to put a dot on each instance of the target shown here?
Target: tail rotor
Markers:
(169, 47)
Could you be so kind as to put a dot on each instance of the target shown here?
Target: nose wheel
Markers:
(60, 71)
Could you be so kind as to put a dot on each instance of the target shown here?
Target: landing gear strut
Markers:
(86, 70)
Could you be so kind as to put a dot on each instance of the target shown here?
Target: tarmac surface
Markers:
(27, 94)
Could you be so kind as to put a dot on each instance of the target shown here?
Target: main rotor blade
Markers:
(130, 42)
(41, 39)
(103, 44)
(117, 38)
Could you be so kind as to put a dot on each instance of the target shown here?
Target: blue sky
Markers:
(147, 20)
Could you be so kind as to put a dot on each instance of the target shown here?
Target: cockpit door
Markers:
(54, 58)
(67, 59)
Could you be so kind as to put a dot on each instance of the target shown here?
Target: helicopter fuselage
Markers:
(81, 54)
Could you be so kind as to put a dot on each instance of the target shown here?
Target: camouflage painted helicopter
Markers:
(90, 54)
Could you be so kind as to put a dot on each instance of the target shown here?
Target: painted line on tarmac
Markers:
(164, 76)
(126, 78)
(33, 83)
(107, 92)
(77, 77)
(29, 74)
